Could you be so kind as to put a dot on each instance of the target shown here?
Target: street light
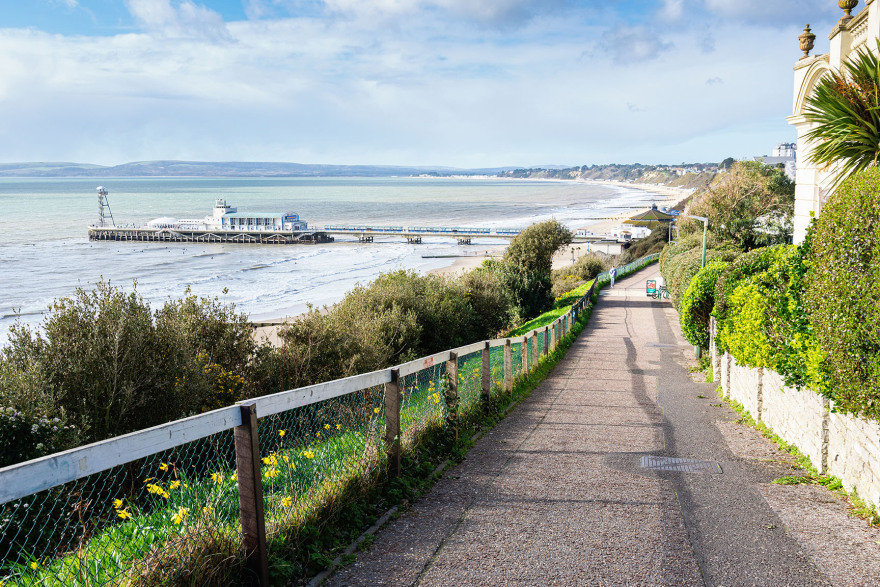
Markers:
(697, 350)
(705, 222)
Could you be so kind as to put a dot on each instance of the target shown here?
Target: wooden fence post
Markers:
(535, 351)
(546, 339)
(486, 383)
(392, 423)
(525, 354)
(508, 366)
(452, 393)
(250, 495)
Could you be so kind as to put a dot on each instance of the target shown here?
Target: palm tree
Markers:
(845, 107)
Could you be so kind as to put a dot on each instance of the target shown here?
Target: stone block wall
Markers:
(854, 454)
(745, 386)
(797, 415)
(837, 444)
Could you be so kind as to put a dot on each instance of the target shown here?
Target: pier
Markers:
(177, 235)
(270, 236)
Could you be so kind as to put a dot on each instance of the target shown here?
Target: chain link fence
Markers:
(150, 521)
(171, 505)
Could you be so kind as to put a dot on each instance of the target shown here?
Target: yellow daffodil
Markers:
(326, 426)
(308, 454)
(339, 426)
(34, 565)
(272, 473)
(286, 501)
(281, 433)
(117, 503)
(317, 435)
(180, 516)
(217, 478)
(206, 510)
(270, 460)
(124, 514)
(375, 410)
(163, 467)
(174, 485)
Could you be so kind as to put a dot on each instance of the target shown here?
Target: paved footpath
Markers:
(556, 494)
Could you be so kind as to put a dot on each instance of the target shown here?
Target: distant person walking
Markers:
(613, 274)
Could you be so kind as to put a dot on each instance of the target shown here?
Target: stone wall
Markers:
(837, 444)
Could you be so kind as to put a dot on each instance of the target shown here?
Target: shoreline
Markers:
(461, 264)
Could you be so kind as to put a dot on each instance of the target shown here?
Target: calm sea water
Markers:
(45, 252)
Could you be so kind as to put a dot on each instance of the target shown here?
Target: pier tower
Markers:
(104, 203)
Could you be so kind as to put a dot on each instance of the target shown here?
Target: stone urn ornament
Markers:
(807, 39)
(847, 6)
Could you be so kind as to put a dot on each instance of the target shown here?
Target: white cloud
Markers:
(627, 45)
(183, 19)
(671, 9)
(335, 90)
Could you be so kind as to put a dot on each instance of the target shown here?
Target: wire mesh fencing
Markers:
(150, 521)
(314, 456)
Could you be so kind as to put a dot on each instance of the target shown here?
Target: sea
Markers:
(45, 253)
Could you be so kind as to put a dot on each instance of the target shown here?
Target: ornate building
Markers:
(852, 33)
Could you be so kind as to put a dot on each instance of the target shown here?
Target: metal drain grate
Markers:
(680, 465)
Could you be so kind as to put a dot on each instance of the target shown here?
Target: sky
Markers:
(458, 83)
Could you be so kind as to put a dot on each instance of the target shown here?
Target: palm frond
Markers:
(845, 109)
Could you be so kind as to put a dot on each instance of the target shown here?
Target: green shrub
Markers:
(24, 437)
(585, 269)
(697, 304)
(681, 269)
(796, 354)
(843, 292)
(739, 270)
(106, 364)
(529, 262)
(744, 336)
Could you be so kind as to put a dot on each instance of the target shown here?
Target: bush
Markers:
(745, 336)
(698, 302)
(586, 268)
(105, 364)
(749, 206)
(739, 270)
(529, 262)
(678, 271)
(653, 243)
(24, 437)
(843, 292)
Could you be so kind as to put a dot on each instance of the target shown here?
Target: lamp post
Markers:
(705, 222)
(697, 350)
